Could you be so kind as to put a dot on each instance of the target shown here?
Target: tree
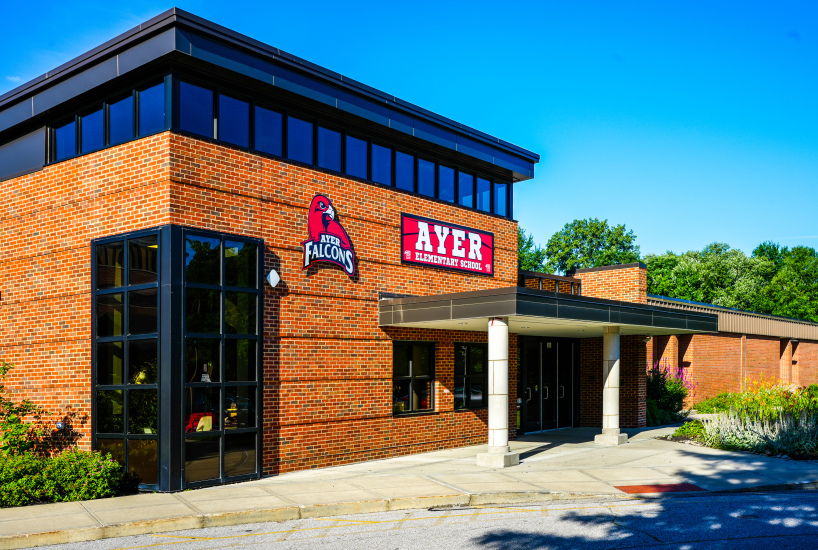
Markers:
(530, 257)
(590, 243)
(792, 290)
(717, 275)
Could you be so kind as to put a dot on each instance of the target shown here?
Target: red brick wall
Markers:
(327, 365)
(47, 220)
(632, 369)
(626, 283)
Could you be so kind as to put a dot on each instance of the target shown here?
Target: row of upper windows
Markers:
(211, 114)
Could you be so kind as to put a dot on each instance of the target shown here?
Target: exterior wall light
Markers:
(273, 278)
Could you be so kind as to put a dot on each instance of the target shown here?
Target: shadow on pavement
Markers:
(744, 521)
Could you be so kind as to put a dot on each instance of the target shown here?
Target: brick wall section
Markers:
(632, 369)
(47, 220)
(626, 283)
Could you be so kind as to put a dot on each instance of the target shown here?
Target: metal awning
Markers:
(540, 313)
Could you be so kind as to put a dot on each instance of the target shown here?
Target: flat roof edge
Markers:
(177, 17)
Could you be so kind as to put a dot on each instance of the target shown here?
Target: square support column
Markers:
(610, 390)
(499, 454)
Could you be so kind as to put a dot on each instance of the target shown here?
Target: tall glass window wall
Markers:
(221, 387)
(126, 352)
(207, 112)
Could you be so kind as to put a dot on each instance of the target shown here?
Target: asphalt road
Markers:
(747, 520)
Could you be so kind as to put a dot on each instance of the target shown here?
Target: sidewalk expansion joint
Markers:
(188, 504)
(92, 514)
(449, 485)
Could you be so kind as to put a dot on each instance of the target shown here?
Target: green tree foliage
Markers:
(530, 257)
(16, 436)
(774, 279)
(590, 243)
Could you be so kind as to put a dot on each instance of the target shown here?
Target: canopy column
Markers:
(610, 390)
(499, 454)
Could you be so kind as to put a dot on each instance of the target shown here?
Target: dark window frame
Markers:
(467, 376)
(223, 337)
(432, 346)
(126, 387)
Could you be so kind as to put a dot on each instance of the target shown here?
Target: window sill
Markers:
(414, 413)
(471, 409)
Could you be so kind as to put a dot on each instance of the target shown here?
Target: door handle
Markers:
(529, 395)
(546, 392)
(562, 392)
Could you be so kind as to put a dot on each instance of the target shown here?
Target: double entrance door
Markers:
(546, 388)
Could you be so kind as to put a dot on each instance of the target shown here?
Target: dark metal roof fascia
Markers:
(175, 16)
(605, 311)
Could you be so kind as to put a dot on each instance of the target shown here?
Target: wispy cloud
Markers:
(14, 79)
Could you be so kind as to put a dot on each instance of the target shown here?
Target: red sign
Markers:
(328, 240)
(446, 245)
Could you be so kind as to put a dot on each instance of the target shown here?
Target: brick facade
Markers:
(327, 365)
(626, 283)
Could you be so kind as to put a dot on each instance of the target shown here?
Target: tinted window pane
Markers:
(142, 311)
(400, 396)
(239, 454)
(201, 413)
(239, 360)
(110, 260)
(234, 121)
(110, 412)
(501, 199)
(269, 129)
(465, 189)
(381, 164)
(142, 459)
(446, 176)
(142, 412)
(299, 140)
(202, 310)
(65, 138)
(477, 392)
(201, 458)
(120, 121)
(483, 195)
(202, 360)
(202, 261)
(404, 171)
(110, 315)
(143, 266)
(477, 360)
(239, 313)
(152, 110)
(195, 109)
(239, 407)
(329, 149)
(110, 363)
(426, 178)
(459, 393)
(421, 395)
(461, 352)
(116, 448)
(92, 132)
(143, 361)
(421, 360)
(400, 359)
(356, 157)
(240, 264)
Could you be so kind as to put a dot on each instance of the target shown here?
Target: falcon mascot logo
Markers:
(328, 241)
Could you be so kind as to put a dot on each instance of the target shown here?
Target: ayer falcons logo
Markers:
(328, 241)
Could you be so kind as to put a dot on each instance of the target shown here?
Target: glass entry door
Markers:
(547, 383)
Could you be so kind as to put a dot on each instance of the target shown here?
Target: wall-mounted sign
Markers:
(328, 240)
(442, 244)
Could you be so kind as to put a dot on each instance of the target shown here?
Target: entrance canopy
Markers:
(540, 313)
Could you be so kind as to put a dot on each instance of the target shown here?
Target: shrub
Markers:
(784, 433)
(21, 479)
(665, 395)
(16, 436)
(721, 403)
(766, 400)
(692, 429)
(81, 475)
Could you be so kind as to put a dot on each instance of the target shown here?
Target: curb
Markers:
(199, 521)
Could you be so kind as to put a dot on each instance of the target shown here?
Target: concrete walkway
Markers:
(554, 465)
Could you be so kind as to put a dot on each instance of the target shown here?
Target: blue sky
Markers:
(689, 122)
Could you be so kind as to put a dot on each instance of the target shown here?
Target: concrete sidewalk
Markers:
(554, 465)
